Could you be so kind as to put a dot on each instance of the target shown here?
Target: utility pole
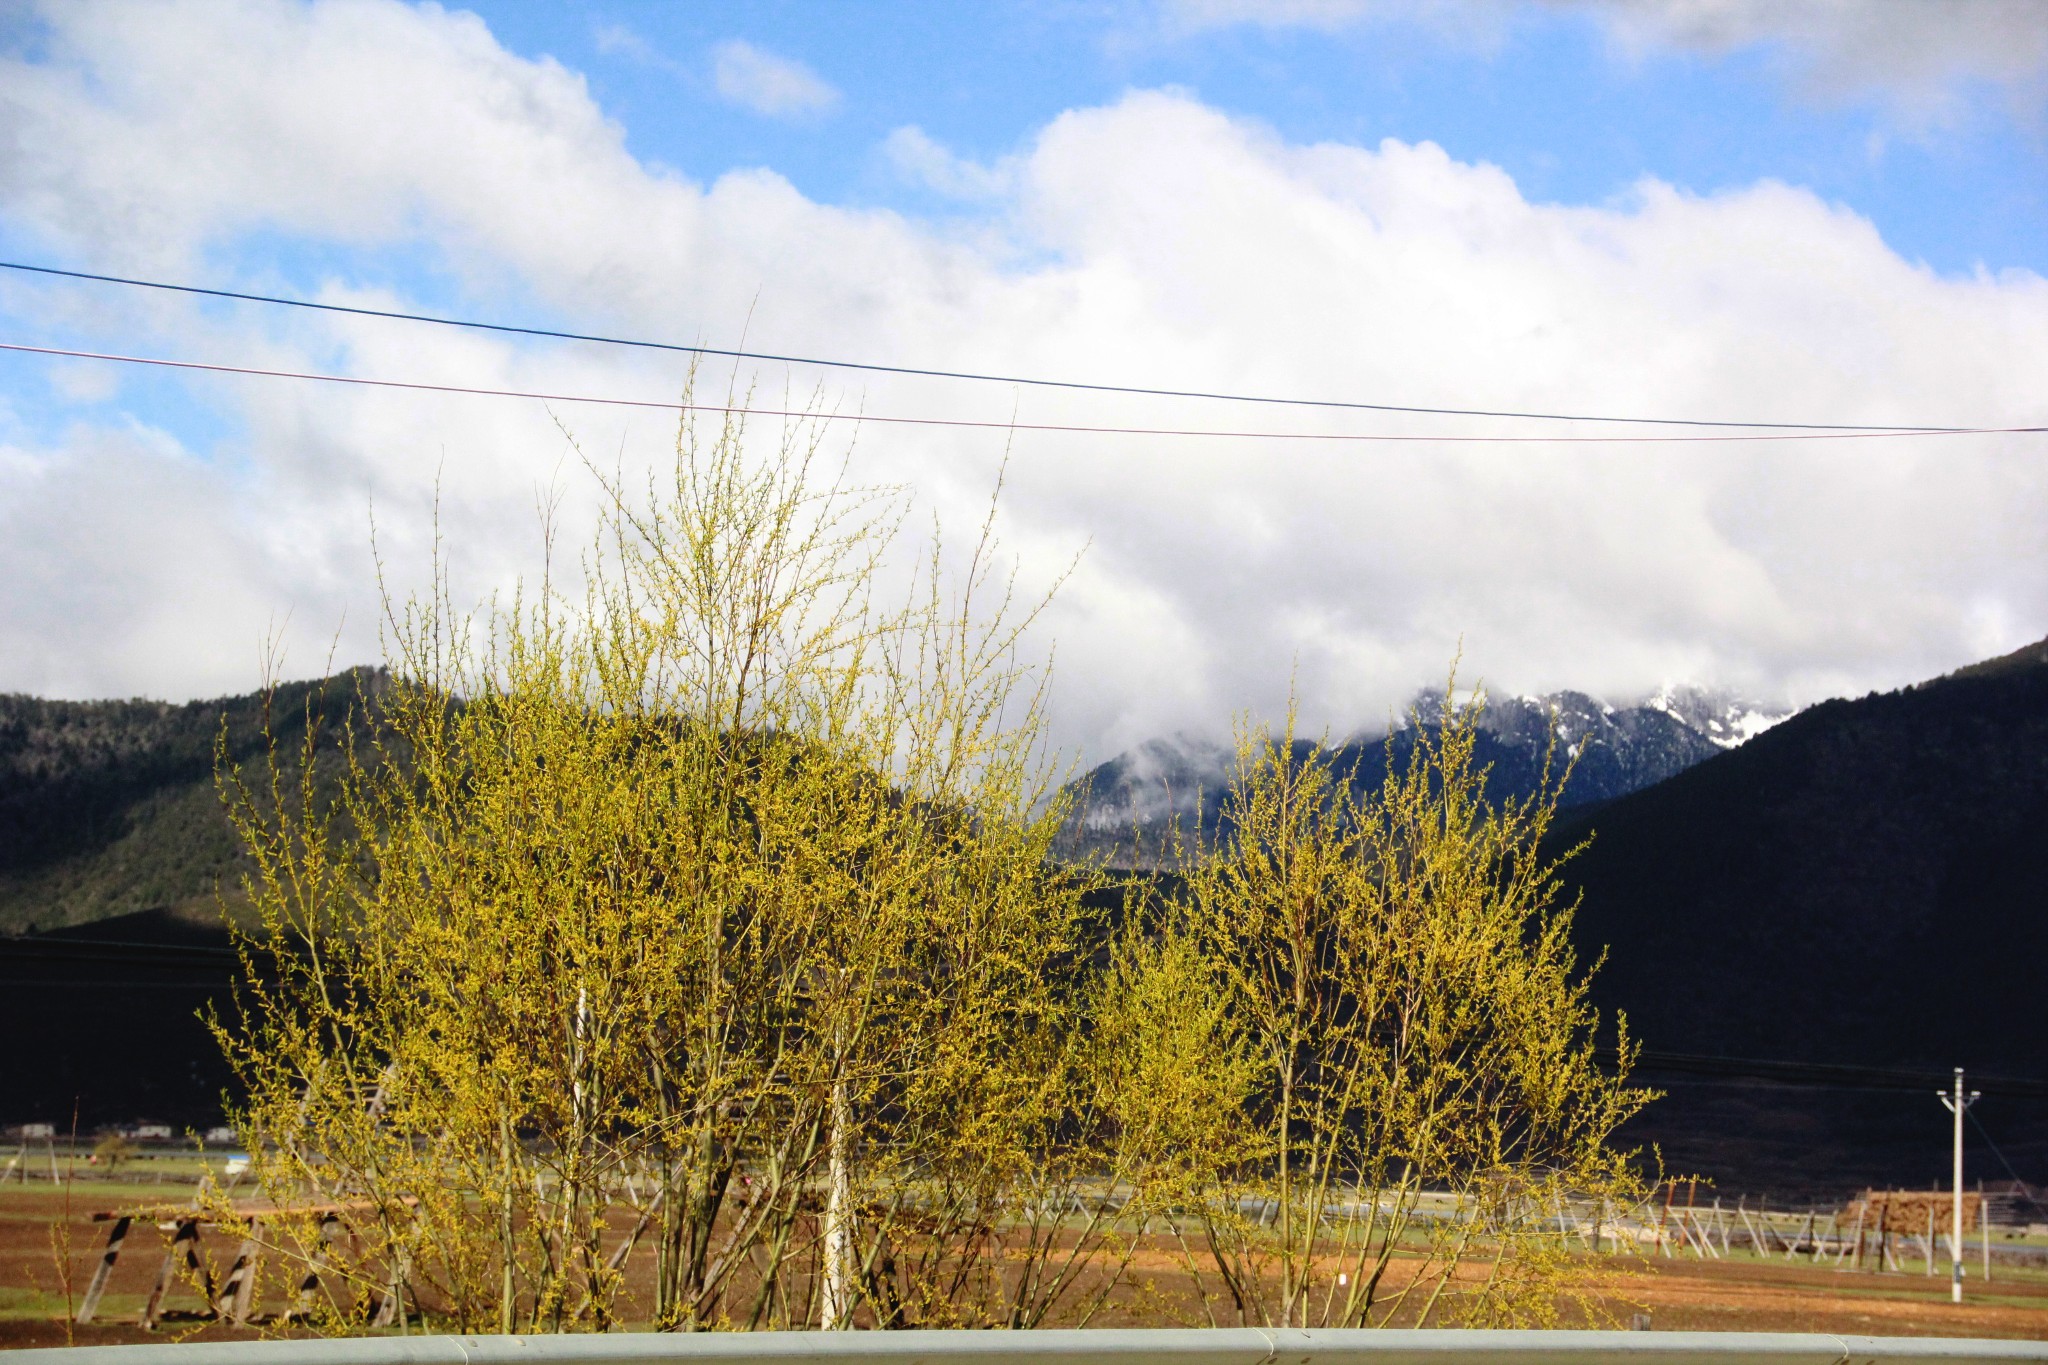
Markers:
(1958, 1105)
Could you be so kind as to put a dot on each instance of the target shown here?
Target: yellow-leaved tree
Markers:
(1373, 1068)
(691, 951)
(709, 913)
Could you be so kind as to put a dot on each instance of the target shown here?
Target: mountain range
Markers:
(1129, 809)
(1807, 920)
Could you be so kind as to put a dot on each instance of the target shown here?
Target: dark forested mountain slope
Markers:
(106, 1021)
(1863, 883)
(1865, 879)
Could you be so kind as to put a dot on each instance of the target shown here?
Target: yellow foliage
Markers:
(711, 917)
(711, 911)
(1391, 1049)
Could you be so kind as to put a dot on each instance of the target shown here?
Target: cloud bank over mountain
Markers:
(1154, 240)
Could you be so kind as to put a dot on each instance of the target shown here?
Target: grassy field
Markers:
(46, 1235)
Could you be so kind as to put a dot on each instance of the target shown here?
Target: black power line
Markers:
(873, 368)
(1071, 428)
(1986, 1135)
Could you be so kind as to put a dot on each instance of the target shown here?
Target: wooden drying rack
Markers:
(231, 1301)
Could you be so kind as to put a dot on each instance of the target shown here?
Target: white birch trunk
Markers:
(837, 1300)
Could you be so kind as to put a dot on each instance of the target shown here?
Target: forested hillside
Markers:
(1862, 884)
(1865, 879)
(109, 807)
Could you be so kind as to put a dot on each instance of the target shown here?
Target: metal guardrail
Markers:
(1229, 1346)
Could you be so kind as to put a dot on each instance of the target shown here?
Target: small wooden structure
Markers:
(1897, 1219)
(232, 1298)
(1907, 1210)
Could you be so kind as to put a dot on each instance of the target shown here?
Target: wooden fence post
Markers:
(108, 1255)
(238, 1290)
(185, 1241)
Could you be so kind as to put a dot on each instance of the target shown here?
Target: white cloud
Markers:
(1194, 15)
(129, 570)
(779, 87)
(84, 381)
(920, 160)
(1921, 54)
(616, 40)
(1897, 40)
(1154, 241)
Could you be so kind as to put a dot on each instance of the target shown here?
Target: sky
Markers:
(1735, 210)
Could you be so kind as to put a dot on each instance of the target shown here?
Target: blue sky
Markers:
(1831, 211)
(1549, 96)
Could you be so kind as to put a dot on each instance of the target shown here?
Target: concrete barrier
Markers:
(1229, 1346)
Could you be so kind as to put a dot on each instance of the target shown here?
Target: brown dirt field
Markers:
(1747, 1295)
(1739, 1294)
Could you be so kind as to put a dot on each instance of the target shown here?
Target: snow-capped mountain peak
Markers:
(1609, 750)
(1727, 718)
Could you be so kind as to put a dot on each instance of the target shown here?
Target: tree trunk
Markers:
(837, 1300)
(507, 1250)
